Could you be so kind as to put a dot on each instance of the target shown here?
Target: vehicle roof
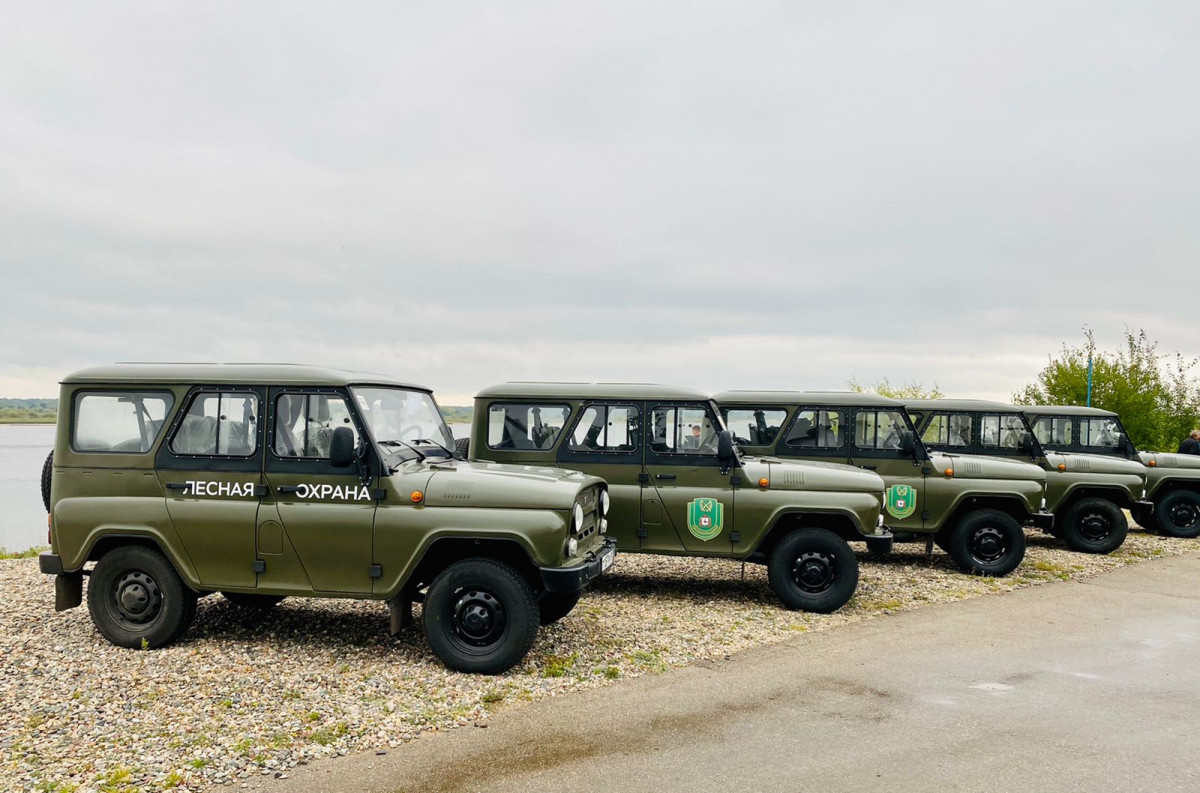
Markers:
(1065, 410)
(230, 373)
(548, 390)
(963, 404)
(805, 398)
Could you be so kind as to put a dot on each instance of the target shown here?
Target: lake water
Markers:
(23, 449)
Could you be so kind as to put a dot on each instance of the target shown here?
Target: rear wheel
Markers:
(553, 606)
(987, 542)
(252, 601)
(1093, 525)
(1178, 514)
(137, 600)
(47, 475)
(480, 616)
(813, 570)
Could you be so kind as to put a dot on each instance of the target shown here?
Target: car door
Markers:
(689, 495)
(325, 514)
(876, 445)
(606, 441)
(211, 470)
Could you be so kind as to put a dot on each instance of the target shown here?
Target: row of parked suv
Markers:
(169, 482)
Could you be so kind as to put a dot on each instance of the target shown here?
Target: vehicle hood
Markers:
(977, 466)
(458, 483)
(794, 475)
(1160, 460)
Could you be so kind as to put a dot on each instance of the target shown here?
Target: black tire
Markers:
(1177, 514)
(47, 475)
(987, 542)
(134, 596)
(553, 606)
(813, 570)
(1143, 516)
(462, 448)
(480, 616)
(252, 601)
(1093, 525)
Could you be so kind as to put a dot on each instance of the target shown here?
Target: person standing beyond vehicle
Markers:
(1191, 444)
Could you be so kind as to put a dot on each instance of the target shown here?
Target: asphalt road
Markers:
(1080, 686)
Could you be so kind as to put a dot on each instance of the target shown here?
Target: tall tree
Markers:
(912, 390)
(1158, 401)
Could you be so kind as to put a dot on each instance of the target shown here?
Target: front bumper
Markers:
(576, 577)
(50, 563)
(1042, 520)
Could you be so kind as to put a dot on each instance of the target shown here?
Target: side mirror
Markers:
(1026, 442)
(908, 444)
(725, 453)
(1127, 447)
(341, 448)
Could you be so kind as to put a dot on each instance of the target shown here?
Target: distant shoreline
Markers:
(4, 423)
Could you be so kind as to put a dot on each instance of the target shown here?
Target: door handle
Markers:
(665, 476)
(177, 485)
(870, 467)
(288, 488)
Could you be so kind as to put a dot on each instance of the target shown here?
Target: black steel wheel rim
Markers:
(988, 545)
(813, 572)
(1095, 526)
(1183, 515)
(136, 600)
(476, 619)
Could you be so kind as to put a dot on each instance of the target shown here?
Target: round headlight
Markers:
(603, 502)
(572, 546)
(577, 519)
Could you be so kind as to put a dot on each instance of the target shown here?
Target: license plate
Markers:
(607, 560)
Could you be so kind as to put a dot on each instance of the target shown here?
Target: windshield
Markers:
(399, 414)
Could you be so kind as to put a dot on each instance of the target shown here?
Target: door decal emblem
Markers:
(901, 501)
(705, 518)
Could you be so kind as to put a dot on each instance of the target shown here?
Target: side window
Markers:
(1000, 431)
(1103, 433)
(682, 430)
(219, 425)
(304, 424)
(879, 429)
(606, 428)
(119, 422)
(526, 426)
(755, 426)
(948, 429)
(818, 429)
(1053, 431)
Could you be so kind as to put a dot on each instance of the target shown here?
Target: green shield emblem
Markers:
(705, 518)
(901, 501)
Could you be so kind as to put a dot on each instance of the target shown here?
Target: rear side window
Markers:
(755, 426)
(219, 425)
(119, 422)
(514, 427)
(606, 428)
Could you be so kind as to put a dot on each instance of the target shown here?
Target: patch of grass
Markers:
(173, 779)
(559, 665)
(313, 716)
(281, 740)
(328, 735)
(26, 554)
(612, 673)
(649, 660)
(492, 696)
(200, 762)
(118, 780)
(35, 721)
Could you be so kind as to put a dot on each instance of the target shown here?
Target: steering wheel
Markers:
(404, 431)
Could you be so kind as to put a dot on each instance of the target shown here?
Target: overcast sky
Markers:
(718, 195)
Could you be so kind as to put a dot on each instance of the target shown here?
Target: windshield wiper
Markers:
(398, 442)
(432, 442)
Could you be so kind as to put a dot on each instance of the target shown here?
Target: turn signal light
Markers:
(949, 472)
(764, 482)
(1152, 463)
(50, 529)
(416, 496)
(1062, 466)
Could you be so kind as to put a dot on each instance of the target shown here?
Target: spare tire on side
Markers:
(47, 475)
(462, 447)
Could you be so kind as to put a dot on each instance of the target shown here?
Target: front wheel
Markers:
(987, 542)
(137, 600)
(1094, 525)
(480, 616)
(1178, 514)
(813, 570)
(555, 605)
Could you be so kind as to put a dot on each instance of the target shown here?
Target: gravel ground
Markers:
(248, 694)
